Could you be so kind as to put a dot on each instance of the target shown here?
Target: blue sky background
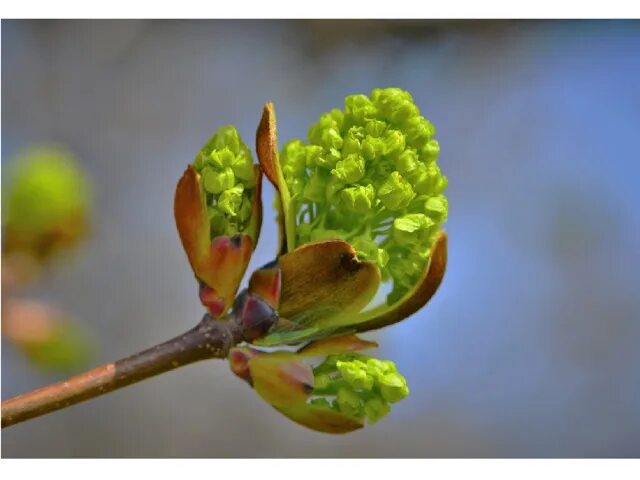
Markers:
(530, 348)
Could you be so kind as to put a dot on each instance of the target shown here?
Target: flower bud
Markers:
(218, 213)
(315, 190)
(394, 143)
(407, 162)
(396, 193)
(373, 128)
(393, 387)
(437, 208)
(375, 409)
(221, 158)
(227, 137)
(418, 131)
(373, 148)
(335, 396)
(230, 200)
(358, 109)
(349, 170)
(253, 314)
(383, 194)
(352, 143)
(217, 182)
(412, 229)
(430, 151)
(394, 104)
(358, 199)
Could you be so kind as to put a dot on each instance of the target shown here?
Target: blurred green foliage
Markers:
(47, 203)
(65, 348)
(46, 209)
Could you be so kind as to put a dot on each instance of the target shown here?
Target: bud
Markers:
(357, 110)
(253, 314)
(412, 229)
(336, 396)
(358, 199)
(216, 182)
(315, 190)
(349, 170)
(218, 213)
(396, 193)
(381, 155)
(383, 194)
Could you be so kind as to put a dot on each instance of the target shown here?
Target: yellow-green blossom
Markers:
(228, 178)
(368, 175)
(360, 386)
(336, 396)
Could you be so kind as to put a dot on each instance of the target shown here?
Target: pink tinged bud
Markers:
(285, 381)
(220, 263)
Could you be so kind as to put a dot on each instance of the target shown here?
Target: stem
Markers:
(209, 339)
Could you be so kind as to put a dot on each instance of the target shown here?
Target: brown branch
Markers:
(209, 339)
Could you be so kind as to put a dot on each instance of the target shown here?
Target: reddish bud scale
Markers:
(211, 300)
(267, 283)
(254, 315)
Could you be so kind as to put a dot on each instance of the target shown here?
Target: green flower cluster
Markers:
(228, 178)
(360, 386)
(369, 176)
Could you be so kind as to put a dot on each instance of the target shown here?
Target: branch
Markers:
(209, 339)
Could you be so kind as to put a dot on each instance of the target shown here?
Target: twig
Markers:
(209, 339)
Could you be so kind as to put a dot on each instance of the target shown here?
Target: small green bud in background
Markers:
(47, 203)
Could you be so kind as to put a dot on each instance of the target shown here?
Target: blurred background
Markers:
(529, 349)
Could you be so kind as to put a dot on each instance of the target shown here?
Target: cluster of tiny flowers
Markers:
(359, 386)
(228, 179)
(368, 175)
